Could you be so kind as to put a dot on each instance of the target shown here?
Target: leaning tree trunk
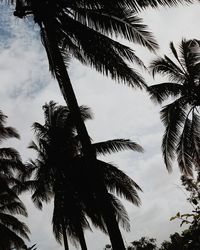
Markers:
(65, 85)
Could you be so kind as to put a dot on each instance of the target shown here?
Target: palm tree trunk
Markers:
(111, 224)
(89, 153)
(65, 236)
(82, 238)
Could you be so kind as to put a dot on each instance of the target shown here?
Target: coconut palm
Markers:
(181, 117)
(61, 173)
(12, 230)
(85, 30)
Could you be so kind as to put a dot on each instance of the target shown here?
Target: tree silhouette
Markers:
(181, 117)
(12, 230)
(61, 172)
(84, 29)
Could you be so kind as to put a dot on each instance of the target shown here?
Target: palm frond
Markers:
(120, 183)
(116, 145)
(121, 213)
(8, 132)
(14, 224)
(157, 3)
(185, 149)
(180, 61)
(190, 58)
(9, 239)
(124, 23)
(167, 68)
(13, 207)
(8, 165)
(135, 5)
(97, 48)
(161, 92)
(195, 135)
(41, 194)
(185, 56)
(10, 153)
(173, 117)
(25, 186)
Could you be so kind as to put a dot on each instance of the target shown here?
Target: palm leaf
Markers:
(157, 3)
(121, 214)
(195, 135)
(119, 183)
(97, 48)
(167, 68)
(9, 239)
(125, 23)
(8, 132)
(180, 61)
(185, 149)
(14, 224)
(14, 207)
(161, 92)
(173, 117)
(113, 146)
(10, 153)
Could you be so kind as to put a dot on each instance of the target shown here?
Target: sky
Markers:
(119, 112)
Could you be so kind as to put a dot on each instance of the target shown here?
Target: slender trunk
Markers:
(68, 92)
(82, 238)
(65, 236)
(88, 151)
(111, 222)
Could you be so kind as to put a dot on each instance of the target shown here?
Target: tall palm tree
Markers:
(61, 172)
(181, 117)
(84, 29)
(12, 230)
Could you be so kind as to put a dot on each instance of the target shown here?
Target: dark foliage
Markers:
(180, 117)
(61, 173)
(12, 231)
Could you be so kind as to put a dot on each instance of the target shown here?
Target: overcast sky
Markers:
(120, 112)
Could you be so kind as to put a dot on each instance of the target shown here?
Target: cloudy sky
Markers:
(120, 112)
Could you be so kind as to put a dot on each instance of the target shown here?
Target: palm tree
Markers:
(12, 230)
(84, 29)
(181, 117)
(61, 172)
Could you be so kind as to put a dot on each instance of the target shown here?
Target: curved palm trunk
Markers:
(89, 153)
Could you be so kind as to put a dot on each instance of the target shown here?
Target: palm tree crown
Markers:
(181, 117)
(86, 30)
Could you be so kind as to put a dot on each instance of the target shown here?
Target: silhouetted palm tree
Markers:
(181, 117)
(83, 30)
(12, 230)
(61, 172)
